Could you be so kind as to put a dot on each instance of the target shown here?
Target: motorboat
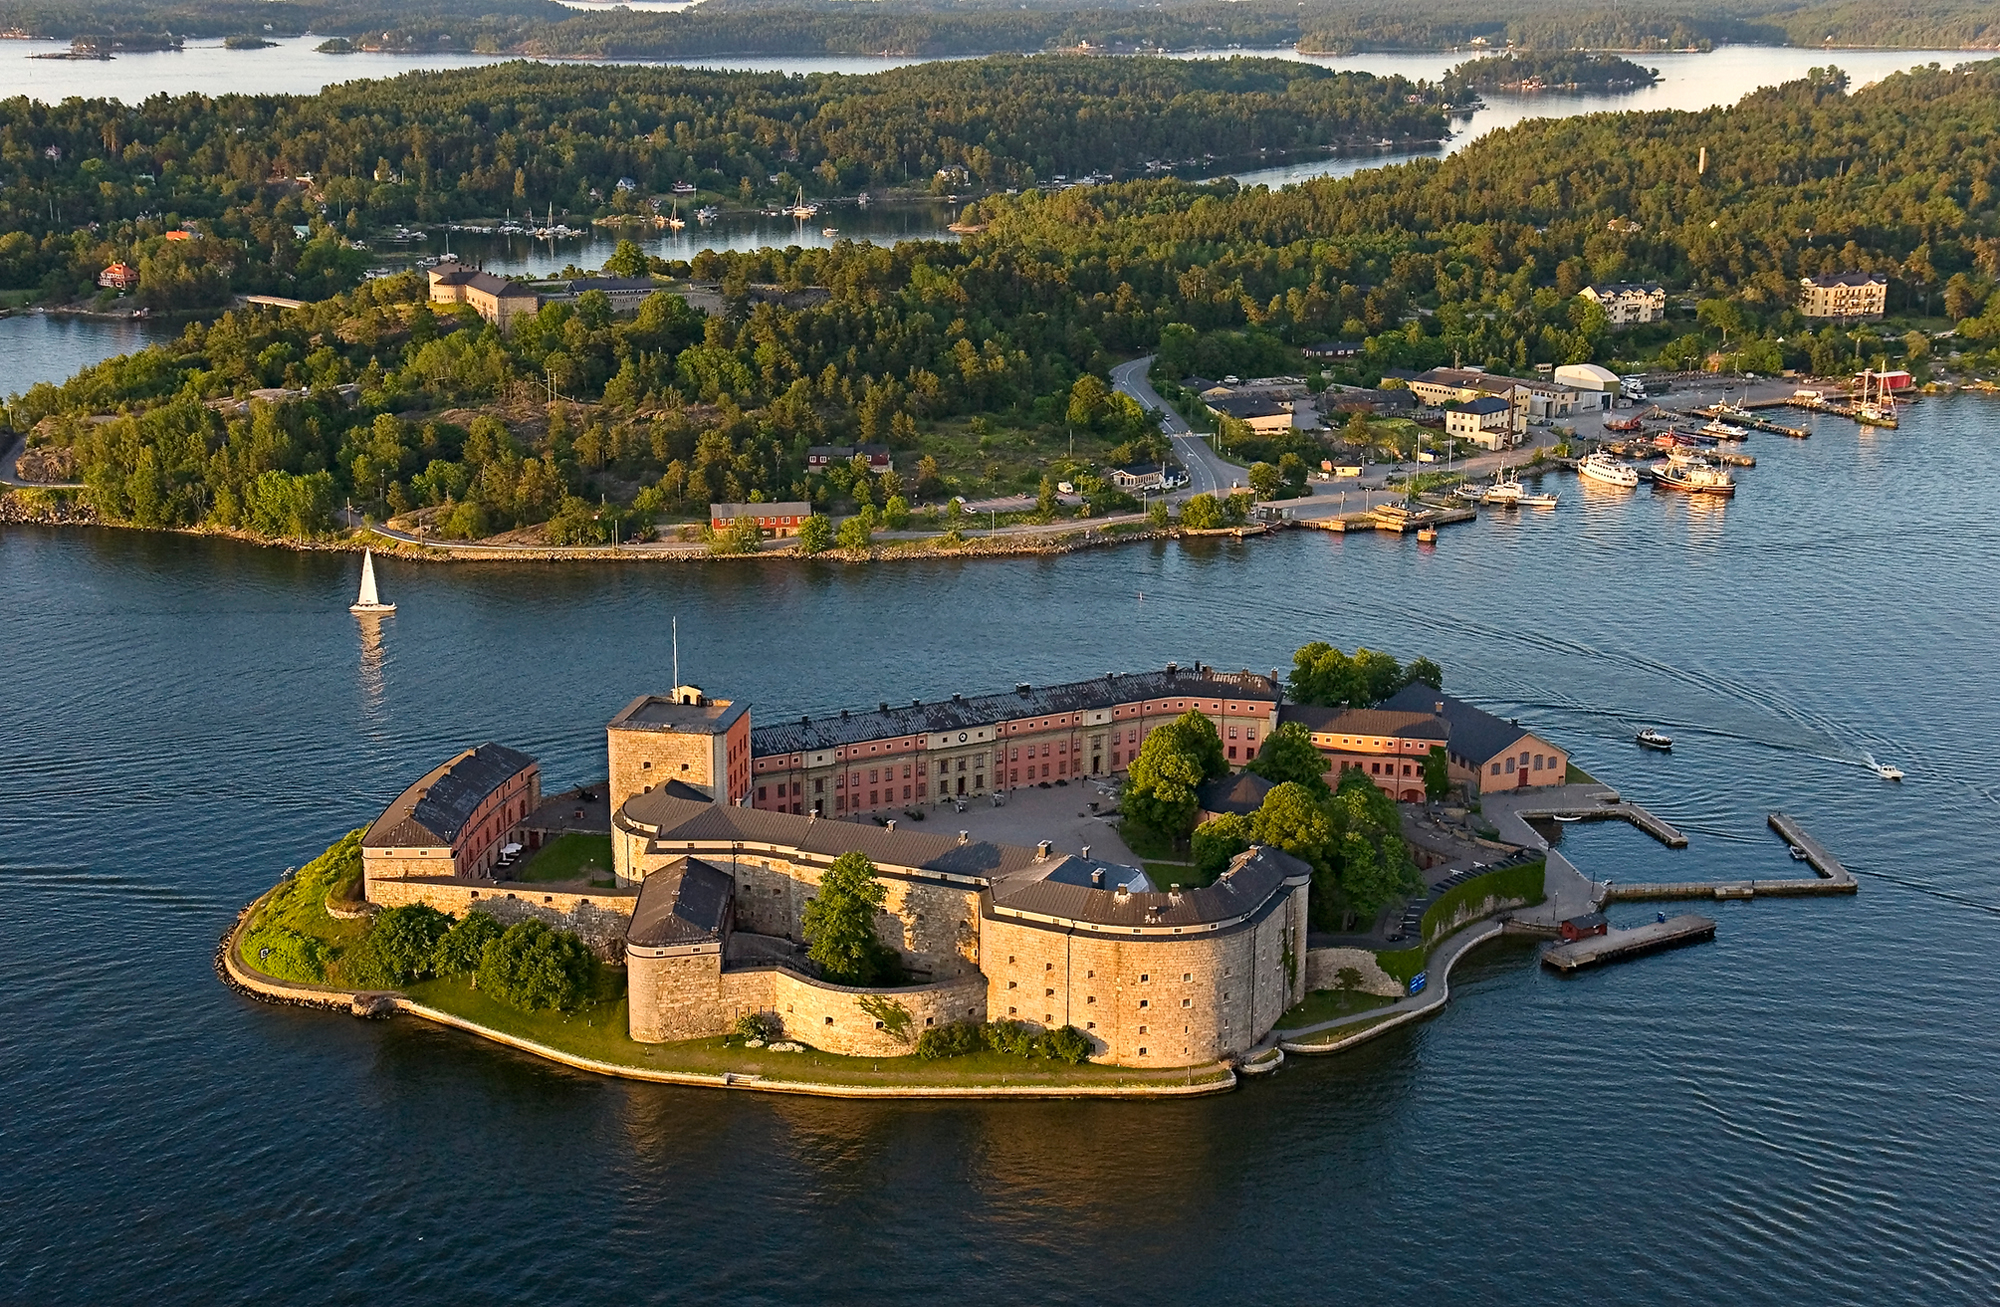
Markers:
(1654, 739)
(1800, 855)
(829, 232)
(1507, 490)
(1538, 500)
(1723, 431)
(1695, 475)
(1602, 467)
(1885, 771)
(706, 214)
(1427, 535)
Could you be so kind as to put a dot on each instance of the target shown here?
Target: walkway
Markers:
(1437, 989)
(1208, 472)
(1511, 810)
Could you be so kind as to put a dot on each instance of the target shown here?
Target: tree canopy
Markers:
(839, 924)
(1172, 763)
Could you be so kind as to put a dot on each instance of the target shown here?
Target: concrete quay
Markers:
(1629, 942)
(1511, 810)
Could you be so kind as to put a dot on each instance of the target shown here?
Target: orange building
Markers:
(1389, 747)
(119, 276)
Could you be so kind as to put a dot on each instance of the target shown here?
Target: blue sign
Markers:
(1417, 982)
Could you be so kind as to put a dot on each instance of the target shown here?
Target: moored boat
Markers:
(1694, 475)
(1539, 499)
(1723, 431)
(1602, 467)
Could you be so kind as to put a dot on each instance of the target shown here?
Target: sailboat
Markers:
(800, 209)
(676, 221)
(368, 601)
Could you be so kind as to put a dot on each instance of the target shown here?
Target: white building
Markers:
(1629, 303)
(1593, 384)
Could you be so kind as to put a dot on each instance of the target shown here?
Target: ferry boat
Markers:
(1695, 475)
(1654, 739)
(1600, 466)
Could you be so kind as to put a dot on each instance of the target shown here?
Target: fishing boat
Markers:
(1507, 490)
(1654, 739)
(368, 601)
(1695, 475)
(1602, 467)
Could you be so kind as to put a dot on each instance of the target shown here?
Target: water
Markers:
(1799, 1112)
(52, 347)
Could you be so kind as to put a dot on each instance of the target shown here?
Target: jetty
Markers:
(1617, 945)
(1510, 811)
(1831, 877)
(1741, 416)
(1399, 518)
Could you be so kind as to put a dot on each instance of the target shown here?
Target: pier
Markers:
(1617, 945)
(1832, 877)
(1511, 810)
(1741, 417)
(1392, 517)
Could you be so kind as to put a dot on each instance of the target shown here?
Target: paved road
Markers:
(1207, 472)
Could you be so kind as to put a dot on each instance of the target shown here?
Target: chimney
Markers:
(805, 721)
(1437, 708)
(1042, 850)
(1097, 877)
(843, 714)
(892, 823)
(883, 706)
(1086, 850)
(965, 837)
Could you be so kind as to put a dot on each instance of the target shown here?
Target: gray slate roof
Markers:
(808, 734)
(448, 798)
(687, 902)
(1475, 733)
(1246, 887)
(1242, 793)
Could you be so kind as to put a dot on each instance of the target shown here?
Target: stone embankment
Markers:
(1345, 1032)
(251, 983)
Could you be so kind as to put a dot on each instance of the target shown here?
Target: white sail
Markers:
(368, 601)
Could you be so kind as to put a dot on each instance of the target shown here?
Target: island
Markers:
(1143, 884)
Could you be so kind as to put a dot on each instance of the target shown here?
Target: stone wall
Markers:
(642, 760)
(1323, 967)
(599, 917)
(1151, 1001)
(689, 995)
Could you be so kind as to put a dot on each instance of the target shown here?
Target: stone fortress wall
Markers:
(599, 917)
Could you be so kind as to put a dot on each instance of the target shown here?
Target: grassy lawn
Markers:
(1327, 1004)
(573, 857)
(1184, 874)
(1009, 457)
(600, 1033)
(1578, 776)
(1340, 1034)
(1148, 844)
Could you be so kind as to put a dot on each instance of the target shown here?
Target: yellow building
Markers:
(495, 299)
(1846, 296)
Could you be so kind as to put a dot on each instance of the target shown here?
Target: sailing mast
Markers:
(368, 601)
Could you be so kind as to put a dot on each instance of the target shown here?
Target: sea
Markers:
(1801, 1111)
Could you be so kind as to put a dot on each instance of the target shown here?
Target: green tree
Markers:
(458, 952)
(1290, 755)
(839, 924)
(741, 536)
(1292, 820)
(534, 967)
(1265, 479)
(1201, 513)
(628, 260)
(1088, 399)
(400, 946)
(816, 534)
(1216, 841)
(1370, 862)
(1437, 774)
(1172, 763)
(857, 532)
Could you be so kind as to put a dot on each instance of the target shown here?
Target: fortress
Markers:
(720, 834)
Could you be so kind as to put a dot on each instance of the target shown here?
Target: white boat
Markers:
(1654, 739)
(1506, 490)
(801, 210)
(1600, 466)
(706, 214)
(368, 601)
(1800, 855)
(1885, 771)
(674, 219)
(1722, 431)
(1694, 474)
(1538, 500)
(829, 231)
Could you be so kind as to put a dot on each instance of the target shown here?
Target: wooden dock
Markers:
(1620, 944)
(1831, 878)
(1739, 418)
(1392, 517)
(1615, 808)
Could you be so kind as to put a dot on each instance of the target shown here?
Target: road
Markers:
(1208, 474)
(10, 454)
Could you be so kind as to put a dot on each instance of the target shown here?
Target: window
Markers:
(1232, 751)
(961, 764)
(1142, 1047)
(906, 792)
(1089, 998)
(645, 766)
(1510, 766)
(1187, 975)
(1048, 993)
(1143, 977)
(1187, 1002)
(1232, 732)
(760, 794)
(1012, 984)
(1496, 769)
(1090, 975)
(1145, 1002)
(874, 797)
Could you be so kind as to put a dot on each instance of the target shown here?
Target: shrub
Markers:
(1066, 1044)
(458, 951)
(953, 1040)
(1015, 1037)
(759, 1025)
(532, 966)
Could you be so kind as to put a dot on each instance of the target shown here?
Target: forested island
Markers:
(276, 187)
(975, 361)
(1568, 71)
(933, 27)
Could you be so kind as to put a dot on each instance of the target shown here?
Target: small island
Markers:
(246, 42)
(1145, 884)
(1529, 70)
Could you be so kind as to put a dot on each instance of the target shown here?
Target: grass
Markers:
(599, 1033)
(1184, 874)
(1329, 1004)
(1521, 884)
(1010, 457)
(303, 939)
(572, 857)
(1578, 776)
(1146, 843)
(1341, 1034)
(1403, 963)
